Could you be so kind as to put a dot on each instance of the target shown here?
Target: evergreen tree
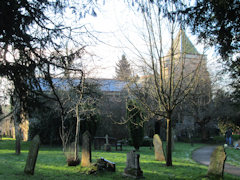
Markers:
(123, 69)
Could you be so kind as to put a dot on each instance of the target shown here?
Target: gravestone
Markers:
(107, 146)
(104, 164)
(159, 154)
(132, 166)
(217, 160)
(32, 155)
(86, 150)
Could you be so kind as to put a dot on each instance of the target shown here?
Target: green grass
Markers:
(51, 164)
(233, 156)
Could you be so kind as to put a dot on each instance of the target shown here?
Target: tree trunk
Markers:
(24, 125)
(77, 134)
(18, 140)
(16, 120)
(169, 143)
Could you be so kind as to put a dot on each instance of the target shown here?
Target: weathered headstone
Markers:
(104, 164)
(132, 166)
(159, 154)
(217, 160)
(32, 155)
(107, 146)
(86, 150)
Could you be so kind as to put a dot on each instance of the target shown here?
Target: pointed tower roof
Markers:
(183, 45)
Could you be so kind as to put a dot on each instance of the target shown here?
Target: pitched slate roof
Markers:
(112, 85)
(183, 45)
(109, 85)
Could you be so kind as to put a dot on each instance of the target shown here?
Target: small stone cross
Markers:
(106, 137)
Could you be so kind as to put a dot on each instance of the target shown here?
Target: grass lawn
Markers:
(233, 156)
(51, 164)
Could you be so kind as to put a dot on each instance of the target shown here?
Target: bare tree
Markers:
(168, 79)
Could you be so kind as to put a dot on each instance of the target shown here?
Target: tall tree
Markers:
(216, 22)
(123, 69)
(31, 43)
(170, 78)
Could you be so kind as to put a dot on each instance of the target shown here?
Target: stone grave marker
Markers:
(32, 155)
(159, 154)
(104, 164)
(217, 160)
(132, 166)
(107, 146)
(86, 150)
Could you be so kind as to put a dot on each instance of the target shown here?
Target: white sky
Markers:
(114, 22)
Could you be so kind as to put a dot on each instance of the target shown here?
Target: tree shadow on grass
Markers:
(191, 171)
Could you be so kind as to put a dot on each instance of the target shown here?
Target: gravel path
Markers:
(202, 156)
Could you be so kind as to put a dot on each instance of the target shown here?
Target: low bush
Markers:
(147, 142)
(236, 137)
(219, 139)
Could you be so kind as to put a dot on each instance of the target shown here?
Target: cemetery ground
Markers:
(51, 163)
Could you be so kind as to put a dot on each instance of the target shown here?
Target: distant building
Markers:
(185, 52)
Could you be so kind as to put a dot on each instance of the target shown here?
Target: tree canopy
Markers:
(216, 22)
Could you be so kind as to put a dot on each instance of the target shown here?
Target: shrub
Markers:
(147, 142)
(236, 137)
(219, 139)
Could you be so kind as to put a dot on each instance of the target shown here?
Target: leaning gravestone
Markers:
(217, 160)
(32, 155)
(132, 166)
(159, 155)
(86, 150)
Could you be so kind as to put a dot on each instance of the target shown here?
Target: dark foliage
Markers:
(227, 110)
(135, 118)
(90, 124)
(217, 22)
(34, 39)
